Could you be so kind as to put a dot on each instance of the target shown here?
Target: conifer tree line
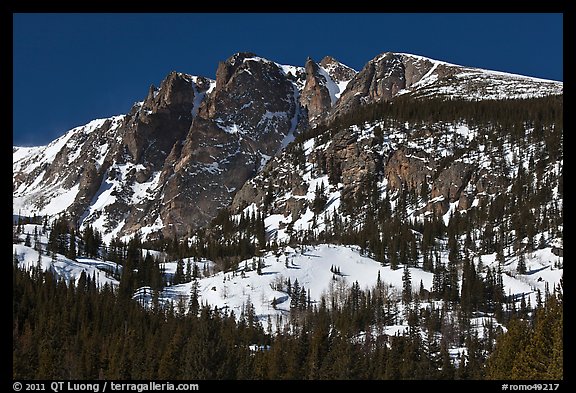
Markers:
(508, 113)
(368, 220)
(365, 218)
(103, 333)
(79, 331)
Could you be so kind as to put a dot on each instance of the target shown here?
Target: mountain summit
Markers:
(169, 165)
(390, 75)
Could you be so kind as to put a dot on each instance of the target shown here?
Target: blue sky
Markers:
(72, 68)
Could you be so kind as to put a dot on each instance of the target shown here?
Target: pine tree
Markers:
(394, 359)
(447, 370)
(556, 364)
(320, 199)
(28, 242)
(19, 224)
(406, 286)
(37, 243)
(259, 267)
(452, 290)
(439, 280)
(71, 254)
(471, 290)
(295, 295)
(179, 273)
(188, 274)
(421, 291)
(541, 350)
(194, 305)
(169, 363)
(521, 267)
(260, 230)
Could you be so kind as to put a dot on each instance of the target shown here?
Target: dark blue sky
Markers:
(72, 68)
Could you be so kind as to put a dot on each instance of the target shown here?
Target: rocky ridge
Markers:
(186, 151)
(166, 167)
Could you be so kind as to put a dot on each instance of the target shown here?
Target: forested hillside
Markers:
(400, 235)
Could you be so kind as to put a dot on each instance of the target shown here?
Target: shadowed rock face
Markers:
(381, 80)
(160, 123)
(163, 119)
(137, 150)
(176, 158)
(315, 95)
(239, 126)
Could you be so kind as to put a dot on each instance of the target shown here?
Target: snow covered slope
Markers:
(457, 81)
(64, 268)
(390, 75)
(323, 271)
(182, 154)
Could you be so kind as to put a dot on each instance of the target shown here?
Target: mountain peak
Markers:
(240, 56)
(390, 74)
(338, 71)
(180, 154)
(175, 90)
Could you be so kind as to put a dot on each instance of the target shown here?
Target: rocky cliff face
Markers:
(389, 75)
(315, 95)
(106, 173)
(166, 167)
(325, 83)
(429, 168)
(339, 73)
(250, 114)
(380, 80)
(190, 146)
